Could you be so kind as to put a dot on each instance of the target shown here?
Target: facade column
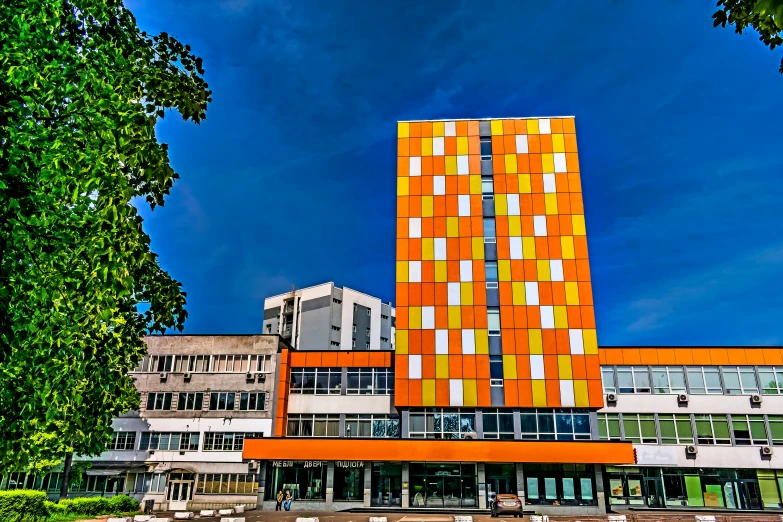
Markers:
(482, 486)
(330, 483)
(599, 488)
(405, 500)
(261, 485)
(520, 483)
(367, 483)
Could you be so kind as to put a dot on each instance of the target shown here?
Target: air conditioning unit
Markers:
(261, 377)
(766, 451)
(187, 377)
(611, 398)
(181, 452)
(756, 399)
(252, 465)
(691, 450)
(164, 376)
(250, 376)
(682, 398)
(471, 435)
(152, 452)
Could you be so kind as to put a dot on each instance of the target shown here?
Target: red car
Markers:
(506, 504)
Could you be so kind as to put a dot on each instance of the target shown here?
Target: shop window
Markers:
(668, 379)
(318, 381)
(370, 381)
(639, 428)
(704, 380)
(739, 380)
(306, 480)
(633, 379)
(349, 481)
(609, 426)
(771, 378)
(306, 425)
(749, 430)
(769, 482)
(712, 429)
(559, 424)
(440, 423)
(376, 426)
(498, 424)
(675, 429)
(553, 484)
(450, 485)
(607, 378)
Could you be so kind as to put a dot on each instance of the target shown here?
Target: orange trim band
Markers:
(592, 452)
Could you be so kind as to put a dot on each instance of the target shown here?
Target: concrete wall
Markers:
(649, 403)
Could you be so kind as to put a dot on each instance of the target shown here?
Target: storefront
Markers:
(305, 480)
(443, 485)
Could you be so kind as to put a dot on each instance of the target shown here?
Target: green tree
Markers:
(81, 88)
(765, 16)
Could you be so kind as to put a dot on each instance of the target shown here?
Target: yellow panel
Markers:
(414, 317)
(442, 366)
(497, 127)
(524, 184)
(452, 227)
(469, 392)
(511, 163)
(426, 206)
(539, 385)
(428, 392)
(462, 146)
(466, 294)
(482, 341)
(426, 146)
(548, 163)
(580, 394)
(578, 224)
(542, 267)
(564, 367)
(534, 341)
(518, 293)
(402, 186)
(561, 317)
(455, 318)
(401, 345)
(532, 126)
(529, 247)
(550, 200)
(590, 341)
(438, 128)
(558, 143)
(501, 205)
(475, 184)
(441, 272)
(567, 247)
(478, 247)
(451, 164)
(427, 249)
(402, 129)
(572, 293)
(509, 366)
(402, 271)
(504, 270)
(514, 226)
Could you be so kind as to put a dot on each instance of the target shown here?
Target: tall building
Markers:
(327, 317)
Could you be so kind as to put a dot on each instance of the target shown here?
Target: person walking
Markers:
(288, 500)
(279, 506)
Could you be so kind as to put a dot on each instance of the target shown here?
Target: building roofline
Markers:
(487, 119)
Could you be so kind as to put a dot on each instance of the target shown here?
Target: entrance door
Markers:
(497, 486)
(749, 494)
(654, 492)
(180, 491)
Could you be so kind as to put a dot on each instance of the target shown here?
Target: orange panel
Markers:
(329, 359)
(468, 366)
(414, 392)
(376, 359)
(648, 356)
(345, 358)
(701, 356)
(361, 359)
(719, 356)
(578, 367)
(455, 367)
(755, 356)
(593, 367)
(525, 393)
(442, 392)
(596, 393)
(614, 356)
(428, 366)
(684, 356)
(428, 342)
(521, 343)
(482, 386)
(737, 356)
(773, 355)
(298, 359)
(553, 393)
(482, 367)
(400, 391)
(665, 356)
(401, 366)
(511, 393)
(631, 356)
(523, 367)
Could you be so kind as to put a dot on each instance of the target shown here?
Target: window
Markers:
(191, 401)
(607, 378)
(353, 345)
(335, 328)
(158, 401)
(227, 441)
(442, 423)
(354, 328)
(739, 380)
(376, 426)
(306, 425)
(675, 429)
(336, 301)
(335, 343)
(558, 424)
(668, 379)
(704, 379)
(191, 363)
(487, 185)
(498, 424)
(263, 362)
(370, 381)
(486, 148)
(560, 484)
(712, 429)
(776, 429)
(252, 401)
(633, 379)
(230, 363)
(385, 317)
(348, 480)
(226, 483)
(639, 428)
(749, 430)
(367, 346)
(156, 363)
(493, 320)
(319, 381)
(144, 482)
(385, 339)
(166, 441)
(219, 401)
(489, 230)
(491, 271)
(609, 426)
(122, 441)
(496, 370)
(771, 378)
(368, 311)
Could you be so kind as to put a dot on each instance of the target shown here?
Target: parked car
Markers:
(506, 504)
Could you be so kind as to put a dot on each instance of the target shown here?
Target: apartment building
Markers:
(327, 317)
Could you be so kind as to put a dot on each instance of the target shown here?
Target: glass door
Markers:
(654, 492)
(749, 494)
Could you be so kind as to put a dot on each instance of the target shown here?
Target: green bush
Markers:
(123, 504)
(53, 508)
(22, 505)
(86, 506)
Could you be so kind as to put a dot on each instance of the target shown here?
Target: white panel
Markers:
(437, 146)
(722, 404)
(560, 162)
(462, 165)
(454, 294)
(544, 126)
(522, 144)
(428, 317)
(512, 204)
(536, 366)
(547, 317)
(414, 227)
(539, 225)
(439, 185)
(440, 248)
(414, 271)
(415, 166)
(466, 270)
(442, 342)
(455, 392)
(575, 339)
(450, 128)
(567, 393)
(556, 269)
(531, 292)
(304, 403)
(464, 204)
(515, 247)
(549, 183)
(414, 366)
(468, 341)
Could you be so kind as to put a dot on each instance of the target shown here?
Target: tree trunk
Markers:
(66, 475)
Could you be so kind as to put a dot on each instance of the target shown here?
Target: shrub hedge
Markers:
(22, 505)
(99, 505)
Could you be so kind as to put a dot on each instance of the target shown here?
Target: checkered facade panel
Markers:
(449, 344)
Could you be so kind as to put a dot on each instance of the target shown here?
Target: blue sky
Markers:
(290, 181)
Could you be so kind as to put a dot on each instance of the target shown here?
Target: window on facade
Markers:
(749, 430)
(348, 480)
(675, 429)
(609, 426)
(493, 320)
(191, 363)
(489, 230)
(146, 482)
(441, 423)
(639, 428)
(739, 380)
(335, 328)
(712, 429)
(226, 484)
(491, 270)
(230, 363)
(252, 401)
(155, 363)
(219, 401)
(771, 378)
(306, 425)
(380, 426)
(169, 441)
(227, 441)
(336, 301)
(633, 379)
(607, 378)
(485, 145)
(776, 429)
(122, 441)
(668, 379)
(190, 401)
(498, 424)
(496, 370)
(559, 424)
(487, 185)
(370, 381)
(559, 484)
(159, 401)
(704, 379)
(319, 381)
